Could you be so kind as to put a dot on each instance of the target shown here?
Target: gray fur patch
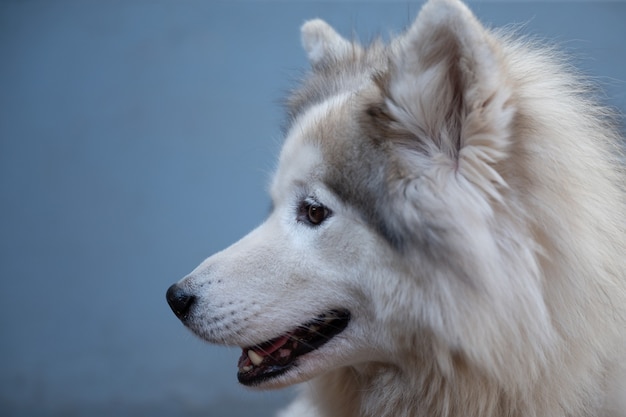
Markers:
(363, 169)
(336, 76)
(363, 146)
(360, 145)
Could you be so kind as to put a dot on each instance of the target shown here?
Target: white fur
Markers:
(479, 247)
(321, 42)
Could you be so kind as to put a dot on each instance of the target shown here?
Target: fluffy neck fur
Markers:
(381, 390)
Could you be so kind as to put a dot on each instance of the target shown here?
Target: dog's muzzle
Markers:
(180, 301)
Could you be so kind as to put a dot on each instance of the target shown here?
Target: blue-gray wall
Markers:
(136, 138)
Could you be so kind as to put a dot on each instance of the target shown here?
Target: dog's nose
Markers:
(179, 300)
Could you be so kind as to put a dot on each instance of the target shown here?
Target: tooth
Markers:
(246, 368)
(255, 358)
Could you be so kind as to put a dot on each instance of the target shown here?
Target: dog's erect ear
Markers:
(446, 87)
(322, 44)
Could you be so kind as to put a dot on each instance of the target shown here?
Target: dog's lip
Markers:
(274, 357)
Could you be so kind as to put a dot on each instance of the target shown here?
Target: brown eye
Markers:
(316, 214)
(312, 213)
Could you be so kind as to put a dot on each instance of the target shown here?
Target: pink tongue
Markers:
(268, 350)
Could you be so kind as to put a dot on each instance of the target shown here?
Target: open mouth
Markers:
(274, 357)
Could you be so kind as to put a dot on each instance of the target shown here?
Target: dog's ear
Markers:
(322, 44)
(446, 88)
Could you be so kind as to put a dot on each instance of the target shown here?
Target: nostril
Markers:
(179, 300)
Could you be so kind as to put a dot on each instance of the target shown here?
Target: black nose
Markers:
(179, 300)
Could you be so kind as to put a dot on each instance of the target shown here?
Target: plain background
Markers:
(136, 138)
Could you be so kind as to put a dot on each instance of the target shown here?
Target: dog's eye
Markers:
(316, 214)
(313, 213)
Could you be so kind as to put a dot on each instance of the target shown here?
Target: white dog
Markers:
(448, 236)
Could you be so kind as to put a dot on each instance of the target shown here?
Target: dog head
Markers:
(383, 228)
